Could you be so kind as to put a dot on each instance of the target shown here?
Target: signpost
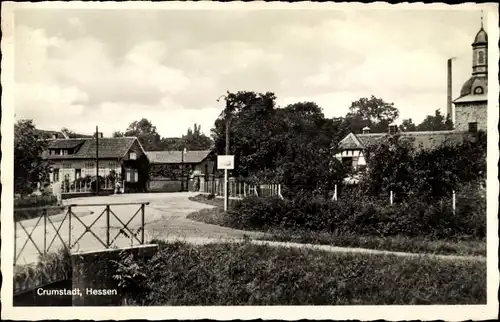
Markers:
(225, 162)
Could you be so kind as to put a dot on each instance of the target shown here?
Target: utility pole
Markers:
(182, 170)
(227, 115)
(97, 159)
(226, 177)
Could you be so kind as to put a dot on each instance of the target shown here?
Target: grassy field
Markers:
(216, 216)
(248, 274)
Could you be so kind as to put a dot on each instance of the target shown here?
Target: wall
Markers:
(471, 112)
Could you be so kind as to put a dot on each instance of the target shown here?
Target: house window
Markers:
(132, 175)
(78, 173)
(55, 175)
(132, 156)
(65, 152)
(473, 127)
(478, 90)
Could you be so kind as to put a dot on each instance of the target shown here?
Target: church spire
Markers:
(480, 52)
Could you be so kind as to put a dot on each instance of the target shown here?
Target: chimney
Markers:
(393, 128)
(449, 106)
(366, 130)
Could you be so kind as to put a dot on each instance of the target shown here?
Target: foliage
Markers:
(145, 131)
(407, 126)
(436, 122)
(35, 201)
(29, 167)
(357, 214)
(372, 112)
(395, 164)
(290, 145)
(129, 274)
(418, 244)
(247, 274)
(195, 140)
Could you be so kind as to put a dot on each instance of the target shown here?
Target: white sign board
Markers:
(225, 162)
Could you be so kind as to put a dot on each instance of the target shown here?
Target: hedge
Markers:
(34, 202)
(248, 274)
(359, 215)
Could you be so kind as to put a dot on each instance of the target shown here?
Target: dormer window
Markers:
(132, 156)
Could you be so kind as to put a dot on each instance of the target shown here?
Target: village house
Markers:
(73, 159)
(166, 168)
(470, 116)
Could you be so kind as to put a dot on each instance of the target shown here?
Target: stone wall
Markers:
(471, 112)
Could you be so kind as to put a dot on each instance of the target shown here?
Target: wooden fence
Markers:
(239, 190)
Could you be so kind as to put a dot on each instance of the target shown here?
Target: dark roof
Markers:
(109, 148)
(65, 143)
(46, 134)
(424, 139)
(481, 37)
(174, 157)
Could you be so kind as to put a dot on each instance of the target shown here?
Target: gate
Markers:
(49, 232)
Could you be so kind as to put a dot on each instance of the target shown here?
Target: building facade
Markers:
(75, 159)
(172, 171)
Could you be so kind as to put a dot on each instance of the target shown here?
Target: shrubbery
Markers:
(247, 274)
(361, 215)
(34, 202)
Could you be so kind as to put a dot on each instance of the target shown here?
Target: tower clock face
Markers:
(478, 90)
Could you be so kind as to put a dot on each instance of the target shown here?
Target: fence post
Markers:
(279, 191)
(391, 197)
(454, 200)
(69, 230)
(107, 226)
(142, 224)
(44, 212)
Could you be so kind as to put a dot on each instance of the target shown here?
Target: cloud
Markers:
(112, 67)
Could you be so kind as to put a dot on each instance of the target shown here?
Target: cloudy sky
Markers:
(82, 68)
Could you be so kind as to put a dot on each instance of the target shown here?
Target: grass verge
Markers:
(216, 216)
(249, 274)
(51, 267)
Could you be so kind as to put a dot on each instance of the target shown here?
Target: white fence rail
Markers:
(84, 187)
(240, 190)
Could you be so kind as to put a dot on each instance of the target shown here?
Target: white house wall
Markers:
(88, 168)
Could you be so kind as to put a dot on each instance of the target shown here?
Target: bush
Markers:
(360, 215)
(34, 202)
(247, 274)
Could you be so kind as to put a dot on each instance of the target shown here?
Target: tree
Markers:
(290, 145)
(251, 118)
(194, 140)
(118, 134)
(372, 112)
(29, 166)
(407, 126)
(436, 122)
(145, 131)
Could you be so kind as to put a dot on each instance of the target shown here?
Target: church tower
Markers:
(471, 106)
